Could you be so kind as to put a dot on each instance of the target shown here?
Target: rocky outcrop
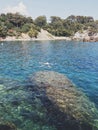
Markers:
(86, 36)
(44, 35)
(69, 107)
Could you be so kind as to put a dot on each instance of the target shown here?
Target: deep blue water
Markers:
(77, 60)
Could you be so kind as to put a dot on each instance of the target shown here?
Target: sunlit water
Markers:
(77, 60)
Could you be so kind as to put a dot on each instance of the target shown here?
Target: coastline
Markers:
(36, 39)
(43, 35)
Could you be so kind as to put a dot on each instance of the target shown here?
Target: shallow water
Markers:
(77, 60)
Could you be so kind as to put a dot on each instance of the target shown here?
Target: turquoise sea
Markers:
(77, 60)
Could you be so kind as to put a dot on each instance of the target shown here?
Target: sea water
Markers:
(77, 60)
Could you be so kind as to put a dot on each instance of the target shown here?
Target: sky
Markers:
(61, 8)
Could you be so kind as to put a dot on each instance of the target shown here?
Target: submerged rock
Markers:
(21, 109)
(48, 102)
(67, 107)
(7, 126)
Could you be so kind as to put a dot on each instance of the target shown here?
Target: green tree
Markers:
(33, 33)
(3, 31)
(41, 21)
(25, 28)
(55, 19)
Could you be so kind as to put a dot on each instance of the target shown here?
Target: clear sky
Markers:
(62, 8)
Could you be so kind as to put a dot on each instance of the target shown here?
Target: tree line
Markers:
(16, 24)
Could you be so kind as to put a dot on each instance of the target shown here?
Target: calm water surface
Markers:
(77, 60)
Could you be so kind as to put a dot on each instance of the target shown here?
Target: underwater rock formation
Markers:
(48, 101)
(69, 107)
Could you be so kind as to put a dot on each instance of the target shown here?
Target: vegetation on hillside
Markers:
(16, 24)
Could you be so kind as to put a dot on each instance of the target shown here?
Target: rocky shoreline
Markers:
(42, 36)
(85, 36)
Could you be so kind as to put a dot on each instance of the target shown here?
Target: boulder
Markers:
(48, 101)
(67, 107)
(96, 38)
(86, 39)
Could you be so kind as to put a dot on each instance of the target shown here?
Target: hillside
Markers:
(18, 27)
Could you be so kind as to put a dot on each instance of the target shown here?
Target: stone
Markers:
(7, 126)
(48, 101)
(64, 102)
(86, 39)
